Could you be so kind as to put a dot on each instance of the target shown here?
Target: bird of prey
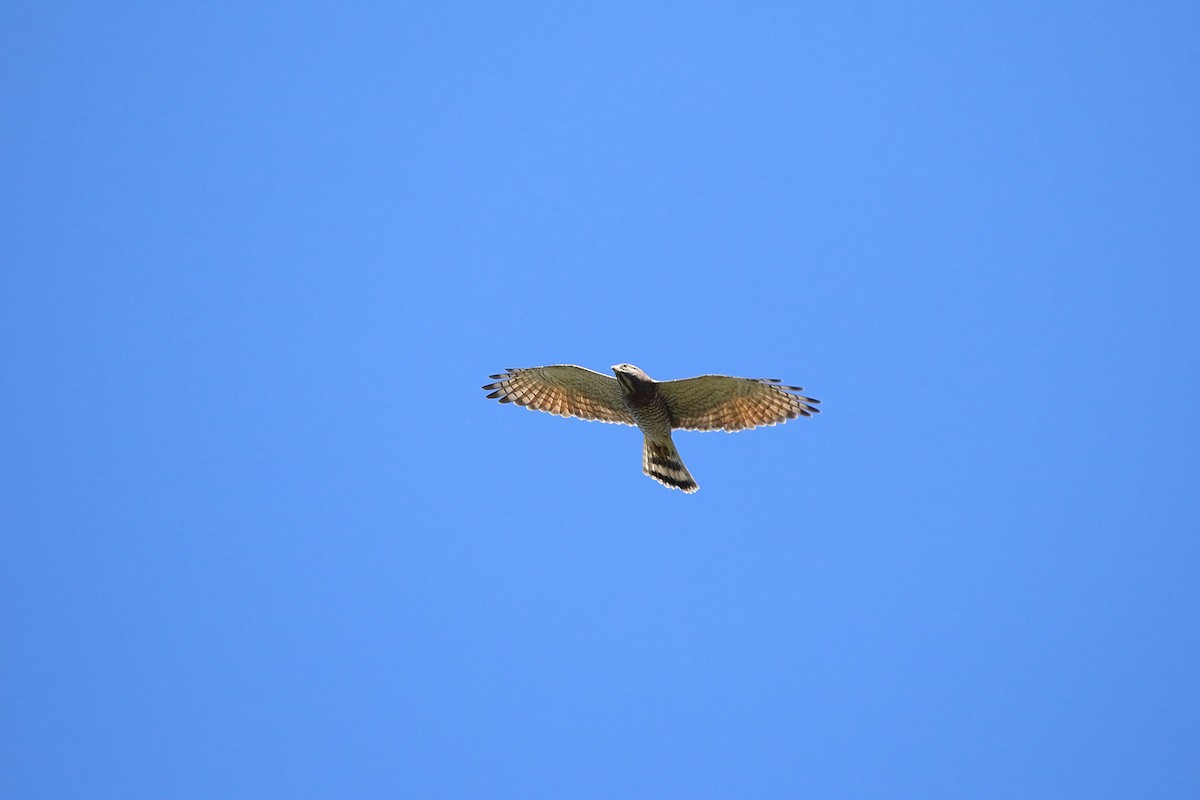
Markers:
(706, 403)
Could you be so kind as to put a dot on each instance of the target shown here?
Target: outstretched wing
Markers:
(722, 403)
(564, 390)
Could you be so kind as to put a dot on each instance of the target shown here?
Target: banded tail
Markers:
(661, 461)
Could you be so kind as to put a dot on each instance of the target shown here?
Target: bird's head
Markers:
(629, 375)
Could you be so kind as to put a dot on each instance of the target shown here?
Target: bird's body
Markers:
(652, 414)
(708, 402)
(647, 407)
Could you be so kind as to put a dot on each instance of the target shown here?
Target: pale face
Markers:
(629, 375)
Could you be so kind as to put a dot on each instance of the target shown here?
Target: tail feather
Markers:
(661, 461)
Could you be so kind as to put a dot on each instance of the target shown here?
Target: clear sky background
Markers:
(264, 537)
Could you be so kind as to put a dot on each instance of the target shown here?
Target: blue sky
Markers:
(263, 536)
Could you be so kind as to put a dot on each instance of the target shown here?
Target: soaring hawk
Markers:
(706, 403)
